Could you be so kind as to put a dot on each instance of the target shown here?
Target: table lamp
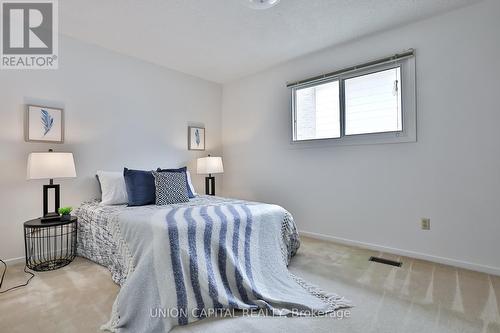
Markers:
(209, 165)
(51, 165)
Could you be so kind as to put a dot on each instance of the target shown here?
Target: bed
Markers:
(197, 258)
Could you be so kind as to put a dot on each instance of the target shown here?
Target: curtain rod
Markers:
(399, 56)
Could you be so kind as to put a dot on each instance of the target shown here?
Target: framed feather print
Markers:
(44, 124)
(196, 138)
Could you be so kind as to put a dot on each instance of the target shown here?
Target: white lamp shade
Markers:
(207, 165)
(51, 165)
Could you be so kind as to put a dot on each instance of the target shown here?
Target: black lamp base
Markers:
(49, 216)
(210, 185)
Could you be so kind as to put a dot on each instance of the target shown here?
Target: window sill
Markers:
(357, 140)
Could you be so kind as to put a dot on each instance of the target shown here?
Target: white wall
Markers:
(119, 112)
(377, 194)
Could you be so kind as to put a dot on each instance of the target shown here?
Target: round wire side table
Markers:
(49, 245)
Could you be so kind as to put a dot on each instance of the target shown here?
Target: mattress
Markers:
(96, 243)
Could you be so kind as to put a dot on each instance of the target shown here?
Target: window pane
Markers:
(373, 103)
(317, 112)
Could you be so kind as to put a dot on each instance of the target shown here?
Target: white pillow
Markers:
(190, 184)
(114, 191)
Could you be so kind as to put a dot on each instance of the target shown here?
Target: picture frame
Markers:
(44, 124)
(196, 138)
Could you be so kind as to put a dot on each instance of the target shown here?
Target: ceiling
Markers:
(222, 40)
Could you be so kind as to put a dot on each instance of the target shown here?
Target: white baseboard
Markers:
(441, 260)
(13, 261)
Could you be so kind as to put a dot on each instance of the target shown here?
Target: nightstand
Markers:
(49, 245)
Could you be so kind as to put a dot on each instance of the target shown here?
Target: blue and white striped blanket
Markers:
(191, 262)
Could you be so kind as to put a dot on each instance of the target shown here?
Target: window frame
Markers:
(408, 108)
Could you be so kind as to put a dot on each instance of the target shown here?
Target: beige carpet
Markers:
(419, 297)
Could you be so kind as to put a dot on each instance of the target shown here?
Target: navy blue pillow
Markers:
(140, 186)
(183, 170)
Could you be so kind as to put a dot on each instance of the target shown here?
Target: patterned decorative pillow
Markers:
(171, 188)
(191, 191)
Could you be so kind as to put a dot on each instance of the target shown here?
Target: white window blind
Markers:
(317, 112)
(373, 103)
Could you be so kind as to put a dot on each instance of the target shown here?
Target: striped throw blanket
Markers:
(192, 262)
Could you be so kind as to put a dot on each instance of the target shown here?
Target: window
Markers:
(371, 105)
(318, 111)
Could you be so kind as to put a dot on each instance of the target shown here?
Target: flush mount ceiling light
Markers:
(261, 4)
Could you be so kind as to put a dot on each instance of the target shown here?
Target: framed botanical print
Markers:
(196, 138)
(44, 124)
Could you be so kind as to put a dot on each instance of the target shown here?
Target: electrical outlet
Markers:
(426, 223)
